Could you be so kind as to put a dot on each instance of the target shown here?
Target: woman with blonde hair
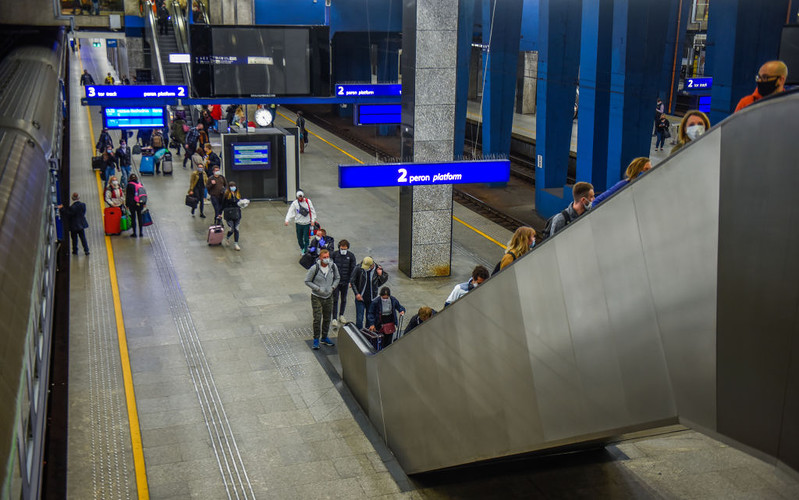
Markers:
(693, 125)
(521, 243)
(634, 169)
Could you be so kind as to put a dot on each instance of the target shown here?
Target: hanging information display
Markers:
(417, 174)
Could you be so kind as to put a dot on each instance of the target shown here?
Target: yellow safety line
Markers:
(489, 238)
(322, 139)
(124, 356)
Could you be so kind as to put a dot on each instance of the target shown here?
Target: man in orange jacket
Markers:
(770, 80)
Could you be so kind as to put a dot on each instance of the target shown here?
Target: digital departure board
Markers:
(115, 118)
(251, 156)
(378, 114)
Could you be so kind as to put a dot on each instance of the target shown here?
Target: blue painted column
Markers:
(503, 29)
(741, 36)
(465, 35)
(639, 35)
(672, 60)
(592, 123)
(558, 62)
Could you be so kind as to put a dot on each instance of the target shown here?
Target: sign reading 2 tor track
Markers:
(418, 174)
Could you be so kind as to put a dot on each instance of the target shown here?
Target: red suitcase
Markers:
(112, 217)
(215, 234)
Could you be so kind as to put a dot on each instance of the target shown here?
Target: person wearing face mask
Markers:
(110, 161)
(197, 182)
(322, 278)
(636, 167)
(693, 125)
(216, 189)
(319, 241)
(366, 280)
(770, 80)
(479, 275)
(382, 315)
(662, 127)
(114, 195)
(583, 194)
(123, 160)
(232, 212)
(345, 262)
(304, 215)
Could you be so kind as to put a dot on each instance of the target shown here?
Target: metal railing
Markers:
(149, 25)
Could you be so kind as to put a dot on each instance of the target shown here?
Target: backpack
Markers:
(141, 194)
(548, 227)
(496, 268)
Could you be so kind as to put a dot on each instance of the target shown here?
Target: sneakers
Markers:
(327, 341)
(334, 323)
(236, 246)
(315, 344)
(202, 216)
(342, 320)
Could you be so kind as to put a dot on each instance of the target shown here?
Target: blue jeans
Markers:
(361, 307)
(125, 174)
(109, 171)
(661, 140)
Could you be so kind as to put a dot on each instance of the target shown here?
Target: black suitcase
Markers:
(308, 260)
(98, 163)
(374, 338)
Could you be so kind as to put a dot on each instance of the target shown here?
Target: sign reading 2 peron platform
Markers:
(418, 174)
(368, 89)
(136, 91)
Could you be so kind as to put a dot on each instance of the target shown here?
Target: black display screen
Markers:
(789, 52)
(260, 61)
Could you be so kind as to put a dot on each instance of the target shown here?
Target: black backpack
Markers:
(548, 227)
(496, 268)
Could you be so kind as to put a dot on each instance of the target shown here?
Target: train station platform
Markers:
(191, 373)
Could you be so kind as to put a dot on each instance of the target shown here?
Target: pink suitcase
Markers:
(215, 235)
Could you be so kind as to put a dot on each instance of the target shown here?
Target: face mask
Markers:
(216, 173)
(233, 188)
(694, 131)
(532, 245)
(386, 301)
(343, 252)
(115, 184)
(590, 204)
(326, 261)
(767, 88)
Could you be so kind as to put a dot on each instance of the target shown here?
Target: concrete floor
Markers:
(231, 400)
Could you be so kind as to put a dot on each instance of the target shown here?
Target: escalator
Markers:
(674, 301)
(174, 41)
(173, 74)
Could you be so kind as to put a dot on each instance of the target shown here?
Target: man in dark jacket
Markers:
(216, 186)
(86, 78)
(345, 261)
(75, 218)
(104, 142)
(123, 160)
(191, 142)
(423, 315)
(366, 281)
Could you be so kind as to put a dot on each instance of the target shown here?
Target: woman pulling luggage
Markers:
(232, 203)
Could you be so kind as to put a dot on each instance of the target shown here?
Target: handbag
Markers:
(136, 149)
(146, 218)
(232, 213)
(191, 201)
(124, 223)
(388, 328)
(307, 260)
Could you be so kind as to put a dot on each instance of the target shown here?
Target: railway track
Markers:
(472, 203)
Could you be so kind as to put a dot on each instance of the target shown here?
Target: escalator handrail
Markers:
(151, 24)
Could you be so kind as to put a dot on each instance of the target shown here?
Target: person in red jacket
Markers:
(770, 80)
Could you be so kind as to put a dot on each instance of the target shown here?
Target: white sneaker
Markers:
(236, 246)
(342, 319)
(334, 324)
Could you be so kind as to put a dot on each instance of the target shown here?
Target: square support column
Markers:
(429, 73)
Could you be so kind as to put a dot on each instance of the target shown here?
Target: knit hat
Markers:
(367, 263)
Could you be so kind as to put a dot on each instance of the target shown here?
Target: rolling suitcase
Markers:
(166, 164)
(215, 234)
(112, 217)
(374, 338)
(147, 166)
(98, 163)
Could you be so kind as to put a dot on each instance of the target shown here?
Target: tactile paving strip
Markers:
(282, 344)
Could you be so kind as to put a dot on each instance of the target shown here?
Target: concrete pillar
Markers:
(505, 22)
(526, 82)
(429, 50)
(592, 124)
(741, 36)
(236, 12)
(633, 84)
(135, 51)
(558, 62)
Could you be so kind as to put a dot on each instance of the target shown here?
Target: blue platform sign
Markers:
(368, 90)
(136, 91)
(698, 84)
(378, 114)
(116, 118)
(251, 156)
(418, 174)
(111, 42)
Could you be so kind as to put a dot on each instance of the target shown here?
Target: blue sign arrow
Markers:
(418, 174)
(136, 91)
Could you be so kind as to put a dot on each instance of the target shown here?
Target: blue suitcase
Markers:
(147, 165)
